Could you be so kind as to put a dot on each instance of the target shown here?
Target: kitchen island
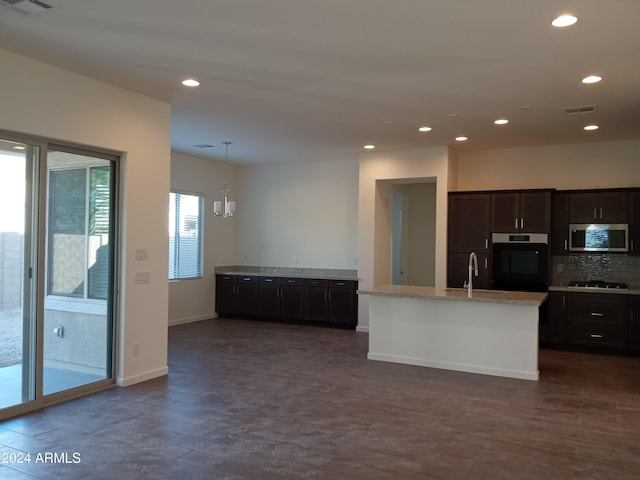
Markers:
(490, 332)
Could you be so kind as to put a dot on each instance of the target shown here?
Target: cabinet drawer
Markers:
(247, 279)
(599, 314)
(350, 284)
(226, 278)
(292, 282)
(612, 336)
(270, 281)
(316, 282)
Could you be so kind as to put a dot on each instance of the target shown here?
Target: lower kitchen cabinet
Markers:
(342, 302)
(553, 319)
(331, 301)
(634, 325)
(320, 301)
(599, 320)
(237, 294)
(591, 321)
(291, 298)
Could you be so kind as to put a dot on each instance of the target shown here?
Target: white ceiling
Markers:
(308, 80)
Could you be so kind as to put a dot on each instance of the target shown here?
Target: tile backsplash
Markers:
(605, 266)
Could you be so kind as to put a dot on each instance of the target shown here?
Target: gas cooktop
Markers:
(598, 284)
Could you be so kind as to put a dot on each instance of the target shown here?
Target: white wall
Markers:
(191, 300)
(422, 235)
(564, 167)
(43, 100)
(378, 171)
(299, 215)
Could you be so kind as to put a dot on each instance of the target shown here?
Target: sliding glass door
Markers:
(78, 325)
(18, 167)
(57, 272)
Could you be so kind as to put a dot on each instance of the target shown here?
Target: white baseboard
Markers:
(126, 382)
(197, 318)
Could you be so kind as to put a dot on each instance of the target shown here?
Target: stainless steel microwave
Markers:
(599, 237)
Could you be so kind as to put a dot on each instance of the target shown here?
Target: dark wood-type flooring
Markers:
(253, 400)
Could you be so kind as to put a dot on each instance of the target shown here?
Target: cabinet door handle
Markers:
(595, 217)
(486, 263)
(564, 301)
(268, 280)
(596, 314)
(596, 335)
(601, 213)
(521, 223)
(565, 245)
(486, 243)
(516, 223)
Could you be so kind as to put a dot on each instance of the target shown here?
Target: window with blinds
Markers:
(186, 222)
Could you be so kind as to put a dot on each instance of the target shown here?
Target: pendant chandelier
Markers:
(229, 205)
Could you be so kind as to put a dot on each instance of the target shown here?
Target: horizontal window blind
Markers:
(186, 219)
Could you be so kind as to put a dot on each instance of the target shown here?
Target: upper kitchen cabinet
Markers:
(634, 222)
(521, 212)
(469, 222)
(560, 223)
(599, 206)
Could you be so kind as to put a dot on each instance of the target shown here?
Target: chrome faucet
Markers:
(473, 266)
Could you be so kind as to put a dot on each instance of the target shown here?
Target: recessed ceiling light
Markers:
(591, 79)
(424, 129)
(564, 21)
(501, 121)
(461, 138)
(369, 147)
(190, 82)
(591, 127)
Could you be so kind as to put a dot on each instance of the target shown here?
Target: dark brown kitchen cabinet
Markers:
(521, 212)
(634, 222)
(553, 319)
(331, 301)
(281, 297)
(316, 300)
(342, 302)
(237, 294)
(599, 206)
(292, 298)
(634, 325)
(598, 320)
(469, 230)
(458, 271)
(560, 224)
(469, 222)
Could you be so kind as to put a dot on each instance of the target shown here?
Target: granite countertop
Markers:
(289, 272)
(478, 295)
(609, 291)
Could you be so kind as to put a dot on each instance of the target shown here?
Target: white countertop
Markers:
(478, 295)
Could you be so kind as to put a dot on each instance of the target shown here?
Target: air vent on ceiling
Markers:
(205, 146)
(27, 6)
(580, 109)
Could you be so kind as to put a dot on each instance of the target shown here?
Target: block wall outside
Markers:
(11, 265)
